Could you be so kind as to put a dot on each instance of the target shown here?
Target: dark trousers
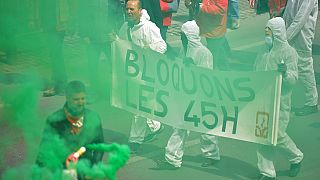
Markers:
(220, 49)
(94, 50)
(58, 68)
(163, 32)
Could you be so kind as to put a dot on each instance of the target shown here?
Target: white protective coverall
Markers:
(300, 17)
(202, 57)
(144, 34)
(281, 52)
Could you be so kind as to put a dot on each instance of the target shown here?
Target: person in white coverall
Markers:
(282, 57)
(300, 17)
(202, 57)
(141, 31)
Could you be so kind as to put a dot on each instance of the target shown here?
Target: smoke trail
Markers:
(118, 156)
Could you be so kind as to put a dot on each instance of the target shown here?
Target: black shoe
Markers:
(209, 162)
(263, 177)
(306, 110)
(134, 148)
(295, 169)
(164, 165)
(152, 135)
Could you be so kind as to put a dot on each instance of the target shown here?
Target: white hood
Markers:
(281, 52)
(192, 32)
(278, 28)
(144, 15)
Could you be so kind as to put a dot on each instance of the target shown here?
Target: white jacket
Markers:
(301, 17)
(144, 34)
(280, 52)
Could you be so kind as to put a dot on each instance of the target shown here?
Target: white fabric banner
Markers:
(238, 105)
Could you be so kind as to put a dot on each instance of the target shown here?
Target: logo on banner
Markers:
(262, 122)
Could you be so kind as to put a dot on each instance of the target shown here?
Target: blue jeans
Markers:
(233, 10)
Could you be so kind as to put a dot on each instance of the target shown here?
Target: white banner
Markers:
(238, 105)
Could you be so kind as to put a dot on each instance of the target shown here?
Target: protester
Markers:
(54, 20)
(167, 8)
(233, 14)
(301, 17)
(141, 31)
(202, 57)
(282, 57)
(68, 129)
(212, 21)
(92, 18)
(154, 11)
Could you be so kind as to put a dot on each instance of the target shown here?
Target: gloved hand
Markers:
(282, 67)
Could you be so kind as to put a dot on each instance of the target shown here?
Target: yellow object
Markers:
(79, 152)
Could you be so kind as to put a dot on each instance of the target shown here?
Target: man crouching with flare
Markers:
(68, 129)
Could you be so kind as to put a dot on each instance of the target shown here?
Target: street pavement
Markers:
(238, 159)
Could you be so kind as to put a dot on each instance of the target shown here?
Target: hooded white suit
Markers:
(144, 34)
(202, 57)
(281, 52)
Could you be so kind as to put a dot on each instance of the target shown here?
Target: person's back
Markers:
(212, 19)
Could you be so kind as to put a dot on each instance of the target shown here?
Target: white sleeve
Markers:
(292, 68)
(205, 58)
(156, 42)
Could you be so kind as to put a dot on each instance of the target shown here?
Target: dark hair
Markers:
(75, 87)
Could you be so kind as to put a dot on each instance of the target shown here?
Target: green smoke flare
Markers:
(118, 156)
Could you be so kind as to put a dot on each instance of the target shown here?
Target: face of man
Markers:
(76, 103)
(268, 32)
(133, 12)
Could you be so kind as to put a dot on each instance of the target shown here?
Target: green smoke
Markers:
(118, 156)
(20, 124)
